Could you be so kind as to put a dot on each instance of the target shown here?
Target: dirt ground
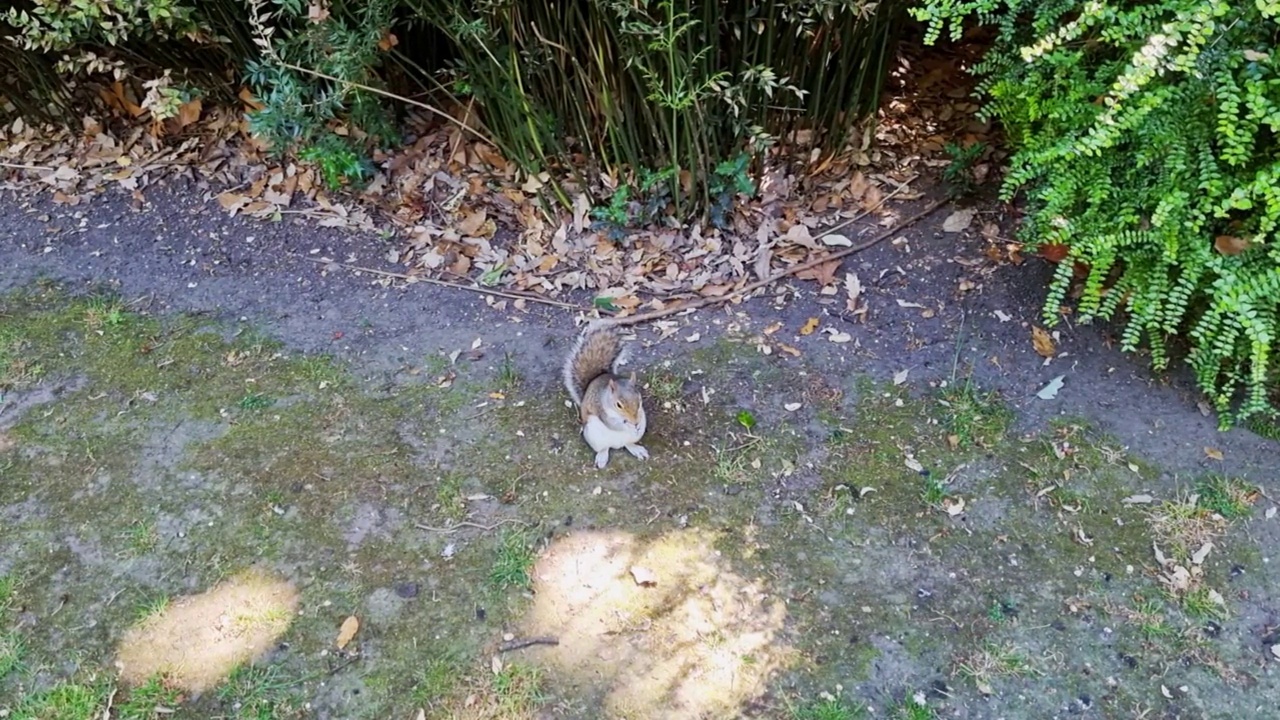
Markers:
(215, 452)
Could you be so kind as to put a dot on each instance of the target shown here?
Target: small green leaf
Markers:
(746, 419)
(605, 303)
(492, 275)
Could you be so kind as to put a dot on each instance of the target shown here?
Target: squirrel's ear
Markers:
(613, 385)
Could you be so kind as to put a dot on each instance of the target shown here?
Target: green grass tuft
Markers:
(1227, 497)
(829, 708)
(513, 562)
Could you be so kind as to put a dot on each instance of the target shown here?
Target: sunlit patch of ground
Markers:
(198, 640)
(656, 628)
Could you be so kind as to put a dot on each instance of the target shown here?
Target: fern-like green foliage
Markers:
(1147, 140)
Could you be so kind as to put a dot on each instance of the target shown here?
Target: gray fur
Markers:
(580, 368)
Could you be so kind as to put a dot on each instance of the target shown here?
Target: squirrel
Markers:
(609, 405)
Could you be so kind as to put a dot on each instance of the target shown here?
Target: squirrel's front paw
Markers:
(638, 451)
(602, 459)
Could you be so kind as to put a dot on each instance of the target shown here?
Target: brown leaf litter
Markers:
(465, 213)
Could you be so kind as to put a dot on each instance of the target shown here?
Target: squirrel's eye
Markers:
(619, 404)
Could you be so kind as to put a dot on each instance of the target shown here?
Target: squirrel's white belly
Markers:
(600, 436)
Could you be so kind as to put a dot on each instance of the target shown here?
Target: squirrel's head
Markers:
(622, 401)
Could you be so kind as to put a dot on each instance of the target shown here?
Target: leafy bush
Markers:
(170, 49)
(302, 110)
(672, 101)
(1147, 141)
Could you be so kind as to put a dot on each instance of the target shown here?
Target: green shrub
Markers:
(170, 49)
(1147, 141)
(302, 110)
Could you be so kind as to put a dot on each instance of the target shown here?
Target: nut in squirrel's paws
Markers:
(639, 451)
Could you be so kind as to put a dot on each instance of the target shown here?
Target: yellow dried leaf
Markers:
(809, 326)
(348, 631)
(232, 201)
(1042, 341)
(1213, 453)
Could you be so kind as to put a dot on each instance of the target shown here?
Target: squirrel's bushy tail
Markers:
(597, 351)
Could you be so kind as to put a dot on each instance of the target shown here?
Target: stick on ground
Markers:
(520, 643)
(752, 287)
(444, 283)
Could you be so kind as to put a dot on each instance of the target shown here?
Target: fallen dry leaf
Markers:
(853, 287)
(872, 199)
(1199, 556)
(348, 631)
(824, 274)
(1230, 244)
(189, 112)
(1054, 253)
(472, 224)
(643, 576)
(1042, 342)
(232, 201)
(798, 234)
(809, 326)
(1050, 390)
(958, 220)
(1213, 453)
